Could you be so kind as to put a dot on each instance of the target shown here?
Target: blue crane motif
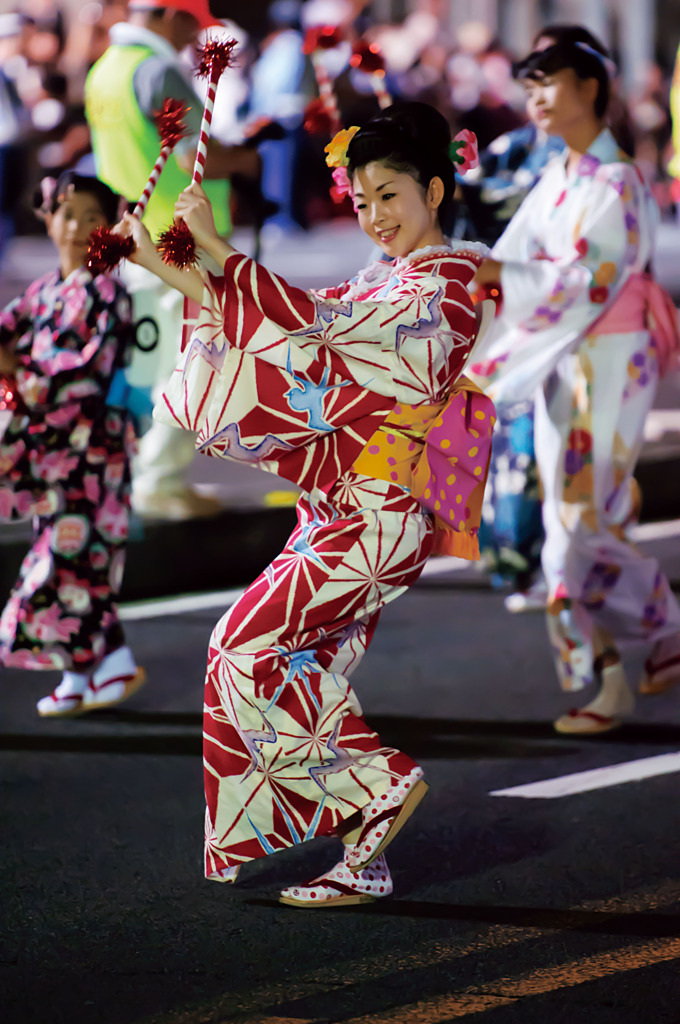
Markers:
(308, 397)
(300, 665)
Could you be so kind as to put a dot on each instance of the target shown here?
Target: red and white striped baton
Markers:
(177, 245)
(105, 249)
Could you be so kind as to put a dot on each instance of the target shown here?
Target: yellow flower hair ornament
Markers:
(337, 147)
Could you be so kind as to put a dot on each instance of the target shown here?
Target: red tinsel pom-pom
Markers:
(214, 56)
(317, 119)
(170, 122)
(367, 57)
(322, 37)
(177, 246)
(489, 291)
(106, 250)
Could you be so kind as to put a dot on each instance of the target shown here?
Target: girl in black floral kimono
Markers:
(65, 460)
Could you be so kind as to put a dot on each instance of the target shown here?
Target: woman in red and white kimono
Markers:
(354, 394)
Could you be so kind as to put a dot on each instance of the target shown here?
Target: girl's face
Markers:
(71, 225)
(395, 211)
(561, 101)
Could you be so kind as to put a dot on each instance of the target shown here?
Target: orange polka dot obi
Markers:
(441, 452)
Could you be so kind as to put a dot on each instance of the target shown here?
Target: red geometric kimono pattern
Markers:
(287, 753)
(298, 382)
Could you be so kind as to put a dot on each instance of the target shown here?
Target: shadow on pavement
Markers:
(429, 738)
(544, 918)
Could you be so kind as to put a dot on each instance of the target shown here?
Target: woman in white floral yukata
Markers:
(66, 439)
(581, 327)
(354, 393)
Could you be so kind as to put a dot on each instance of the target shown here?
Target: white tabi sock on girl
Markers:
(72, 684)
(67, 698)
(120, 662)
(116, 679)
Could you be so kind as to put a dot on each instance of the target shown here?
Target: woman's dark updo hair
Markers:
(410, 138)
(585, 59)
(107, 199)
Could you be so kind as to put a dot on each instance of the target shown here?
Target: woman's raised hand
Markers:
(131, 227)
(193, 207)
(488, 272)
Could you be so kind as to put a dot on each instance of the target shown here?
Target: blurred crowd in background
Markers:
(47, 47)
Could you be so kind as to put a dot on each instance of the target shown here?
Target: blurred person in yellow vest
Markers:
(674, 163)
(139, 70)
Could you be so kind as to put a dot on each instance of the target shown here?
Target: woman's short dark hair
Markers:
(584, 60)
(410, 138)
(67, 180)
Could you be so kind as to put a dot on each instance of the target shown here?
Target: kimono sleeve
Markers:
(113, 330)
(408, 342)
(90, 345)
(549, 305)
(15, 318)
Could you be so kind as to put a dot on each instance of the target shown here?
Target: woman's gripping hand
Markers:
(193, 207)
(145, 251)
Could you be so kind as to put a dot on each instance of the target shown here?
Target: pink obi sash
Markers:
(643, 305)
(441, 452)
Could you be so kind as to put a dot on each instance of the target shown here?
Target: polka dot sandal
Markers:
(383, 818)
(341, 887)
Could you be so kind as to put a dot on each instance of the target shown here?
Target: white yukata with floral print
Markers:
(572, 246)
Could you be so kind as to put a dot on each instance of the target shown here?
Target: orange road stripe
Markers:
(509, 990)
(341, 974)
(279, 1020)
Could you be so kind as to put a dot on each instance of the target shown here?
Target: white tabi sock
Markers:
(120, 662)
(615, 696)
(73, 684)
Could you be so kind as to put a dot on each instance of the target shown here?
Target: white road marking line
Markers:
(444, 563)
(177, 605)
(655, 531)
(596, 778)
(134, 610)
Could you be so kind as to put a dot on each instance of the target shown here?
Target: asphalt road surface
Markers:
(507, 908)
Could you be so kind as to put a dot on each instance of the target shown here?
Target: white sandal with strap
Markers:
(383, 818)
(116, 679)
(342, 887)
(66, 700)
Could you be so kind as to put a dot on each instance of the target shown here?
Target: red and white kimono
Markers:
(317, 386)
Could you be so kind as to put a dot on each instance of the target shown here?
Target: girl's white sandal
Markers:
(113, 691)
(54, 706)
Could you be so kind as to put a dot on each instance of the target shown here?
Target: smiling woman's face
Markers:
(395, 211)
(560, 101)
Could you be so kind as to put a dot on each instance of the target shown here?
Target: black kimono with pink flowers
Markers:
(65, 460)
